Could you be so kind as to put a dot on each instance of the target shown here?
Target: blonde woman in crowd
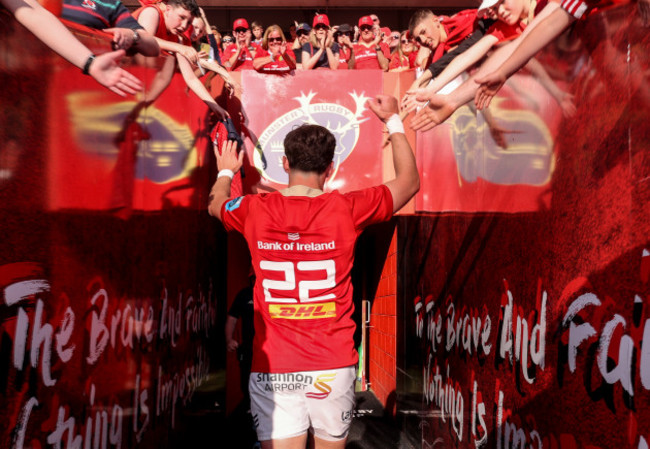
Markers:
(274, 56)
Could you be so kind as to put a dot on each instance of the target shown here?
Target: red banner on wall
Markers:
(501, 161)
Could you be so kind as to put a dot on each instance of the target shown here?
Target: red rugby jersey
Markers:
(302, 250)
(245, 57)
(366, 57)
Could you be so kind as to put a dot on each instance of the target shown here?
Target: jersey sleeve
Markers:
(124, 19)
(372, 205)
(234, 213)
(504, 32)
(576, 8)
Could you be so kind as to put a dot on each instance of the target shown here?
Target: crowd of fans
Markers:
(508, 32)
(315, 45)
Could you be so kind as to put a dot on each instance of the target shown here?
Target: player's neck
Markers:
(311, 180)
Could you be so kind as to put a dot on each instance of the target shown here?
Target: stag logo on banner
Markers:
(163, 147)
(341, 121)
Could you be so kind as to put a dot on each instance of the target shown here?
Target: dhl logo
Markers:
(322, 386)
(303, 312)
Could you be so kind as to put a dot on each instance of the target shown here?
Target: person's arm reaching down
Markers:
(103, 68)
(198, 88)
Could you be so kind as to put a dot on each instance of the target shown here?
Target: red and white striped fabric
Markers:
(577, 8)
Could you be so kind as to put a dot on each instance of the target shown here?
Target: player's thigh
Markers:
(332, 405)
(278, 407)
(298, 442)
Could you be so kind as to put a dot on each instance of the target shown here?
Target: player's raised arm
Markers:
(228, 163)
(407, 180)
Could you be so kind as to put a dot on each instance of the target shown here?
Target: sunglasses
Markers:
(405, 42)
(394, 37)
(241, 30)
(275, 39)
(321, 27)
(302, 33)
(365, 28)
(346, 33)
(227, 41)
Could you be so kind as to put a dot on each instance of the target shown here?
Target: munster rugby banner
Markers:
(274, 105)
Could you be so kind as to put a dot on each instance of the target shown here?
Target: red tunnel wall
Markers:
(523, 292)
(84, 214)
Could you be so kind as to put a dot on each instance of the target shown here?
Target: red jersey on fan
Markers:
(366, 57)
(344, 57)
(457, 27)
(397, 61)
(302, 249)
(245, 58)
(278, 67)
(161, 30)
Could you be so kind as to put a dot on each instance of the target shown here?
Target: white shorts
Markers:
(287, 405)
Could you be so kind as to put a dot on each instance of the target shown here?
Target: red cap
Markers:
(366, 20)
(385, 30)
(239, 23)
(321, 19)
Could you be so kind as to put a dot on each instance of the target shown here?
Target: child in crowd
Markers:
(513, 17)
(168, 21)
(554, 25)
(483, 85)
(303, 31)
(441, 39)
(196, 32)
(258, 30)
(343, 37)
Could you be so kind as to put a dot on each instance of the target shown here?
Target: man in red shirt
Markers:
(302, 243)
(370, 52)
(241, 53)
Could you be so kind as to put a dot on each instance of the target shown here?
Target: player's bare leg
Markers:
(319, 443)
(298, 442)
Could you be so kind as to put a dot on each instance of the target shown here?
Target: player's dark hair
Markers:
(418, 17)
(310, 148)
(190, 5)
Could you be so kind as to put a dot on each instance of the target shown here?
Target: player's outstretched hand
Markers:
(437, 111)
(489, 86)
(108, 73)
(229, 159)
(384, 106)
